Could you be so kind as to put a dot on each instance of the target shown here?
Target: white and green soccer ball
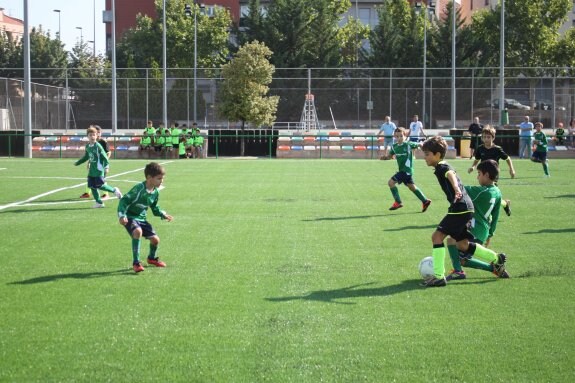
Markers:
(426, 268)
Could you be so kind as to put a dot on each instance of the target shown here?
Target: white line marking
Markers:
(27, 201)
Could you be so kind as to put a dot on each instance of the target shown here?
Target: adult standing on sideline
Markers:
(475, 129)
(387, 129)
(416, 129)
(525, 134)
(572, 131)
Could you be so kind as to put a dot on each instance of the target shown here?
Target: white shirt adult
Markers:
(416, 130)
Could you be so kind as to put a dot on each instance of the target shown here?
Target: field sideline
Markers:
(279, 271)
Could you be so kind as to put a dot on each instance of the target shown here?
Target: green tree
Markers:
(10, 56)
(245, 85)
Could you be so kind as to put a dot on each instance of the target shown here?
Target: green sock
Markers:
(107, 188)
(136, 249)
(419, 194)
(454, 255)
(96, 195)
(438, 255)
(546, 168)
(395, 194)
(477, 264)
(153, 250)
(482, 252)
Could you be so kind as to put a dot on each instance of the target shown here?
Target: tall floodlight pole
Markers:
(195, 63)
(114, 78)
(94, 40)
(453, 31)
(502, 63)
(81, 35)
(59, 24)
(27, 87)
(164, 67)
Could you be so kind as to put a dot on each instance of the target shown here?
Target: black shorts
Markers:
(96, 182)
(158, 148)
(147, 229)
(541, 156)
(456, 225)
(403, 178)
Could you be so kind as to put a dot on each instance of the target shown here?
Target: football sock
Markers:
(395, 194)
(454, 255)
(438, 255)
(546, 168)
(419, 194)
(96, 195)
(153, 250)
(136, 249)
(482, 252)
(107, 188)
(477, 264)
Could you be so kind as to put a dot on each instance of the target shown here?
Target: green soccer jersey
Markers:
(541, 146)
(486, 201)
(198, 140)
(134, 204)
(404, 155)
(97, 158)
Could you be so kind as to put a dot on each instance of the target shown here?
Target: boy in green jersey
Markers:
(489, 151)
(132, 214)
(486, 200)
(403, 152)
(540, 153)
(459, 214)
(97, 167)
(104, 143)
(198, 144)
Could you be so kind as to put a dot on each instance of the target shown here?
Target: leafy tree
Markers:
(10, 56)
(350, 37)
(245, 86)
(253, 25)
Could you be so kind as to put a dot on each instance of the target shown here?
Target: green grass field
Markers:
(279, 271)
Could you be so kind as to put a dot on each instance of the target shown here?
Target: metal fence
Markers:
(344, 98)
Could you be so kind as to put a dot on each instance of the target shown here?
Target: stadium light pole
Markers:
(502, 64)
(114, 76)
(164, 68)
(453, 57)
(27, 87)
(59, 25)
(188, 11)
(430, 6)
(81, 35)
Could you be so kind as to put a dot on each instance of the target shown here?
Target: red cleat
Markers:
(396, 206)
(156, 262)
(425, 205)
(138, 267)
(85, 195)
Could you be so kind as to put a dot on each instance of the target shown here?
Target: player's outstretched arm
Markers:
(511, 168)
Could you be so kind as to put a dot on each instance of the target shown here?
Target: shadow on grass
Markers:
(412, 227)
(552, 231)
(343, 218)
(562, 196)
(56, 277)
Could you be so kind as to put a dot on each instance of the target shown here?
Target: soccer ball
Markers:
(426, 268)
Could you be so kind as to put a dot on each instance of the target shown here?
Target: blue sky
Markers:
(73, 13)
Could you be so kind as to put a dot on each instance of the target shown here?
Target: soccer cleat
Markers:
(395, 206)
(138, 267)
(425, 205)
(454, 275)
(504, 274)
(435, 282)
(499, 266)
(507, 207)
(85, 195)
(117, 193)
(104, 196)
(98, 205)
(156, 262)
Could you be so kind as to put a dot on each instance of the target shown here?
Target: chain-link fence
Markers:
(344, 98)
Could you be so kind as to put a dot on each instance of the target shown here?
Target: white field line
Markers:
(33, 198)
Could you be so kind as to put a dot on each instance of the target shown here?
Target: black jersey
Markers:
(494, 153)
(104, 144)
(464, 204)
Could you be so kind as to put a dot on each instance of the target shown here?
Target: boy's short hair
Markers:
(436, 144)
(400, 129)
(539, 123)
(150, 122)
(488, 129)
(489, 167)
(91, 129)
(97, 127)
(154, 169)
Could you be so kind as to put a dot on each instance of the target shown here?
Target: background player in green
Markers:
(104, 144)
(97, 167)
(403, 152)
(540, 153)
(486, 199)
(132, 214)
(198, 144)
(489, 151)
(459, 215)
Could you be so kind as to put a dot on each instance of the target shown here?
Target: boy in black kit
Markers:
(459, 214)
